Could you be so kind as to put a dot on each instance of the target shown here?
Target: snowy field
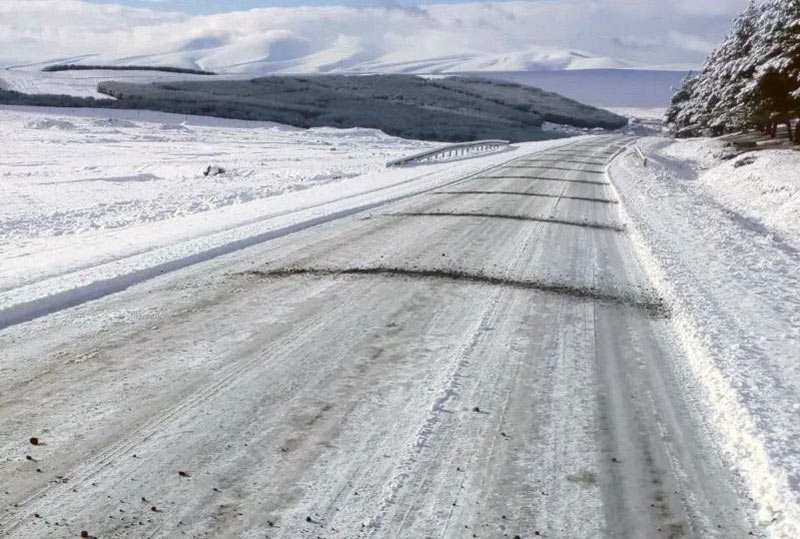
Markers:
(65, 175)
(84, 83)
(721, 238)
(643, 121)
(640, 113)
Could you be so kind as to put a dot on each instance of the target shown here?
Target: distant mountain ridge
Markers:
(290, 54)
(370, 37)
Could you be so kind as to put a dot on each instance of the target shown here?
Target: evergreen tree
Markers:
(751, 79)
(773, 94)
(678, 114)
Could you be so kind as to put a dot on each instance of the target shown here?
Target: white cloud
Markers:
(515, 34)
(690, 42)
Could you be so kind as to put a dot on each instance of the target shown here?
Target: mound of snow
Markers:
(173, 127)
(703, 153)
(51, 123)
(113, 123)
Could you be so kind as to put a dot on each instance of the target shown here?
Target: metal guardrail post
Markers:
(641, 155)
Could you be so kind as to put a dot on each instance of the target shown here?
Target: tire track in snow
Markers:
(104, 458)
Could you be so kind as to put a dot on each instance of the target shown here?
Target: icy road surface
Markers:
(483, 359)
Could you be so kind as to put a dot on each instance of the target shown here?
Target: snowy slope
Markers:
(278, 51)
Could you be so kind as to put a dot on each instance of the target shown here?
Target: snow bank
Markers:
(761, 187)
(113, 122)
(698, 153)
(767, 191)
(735, 293)
(50, 123)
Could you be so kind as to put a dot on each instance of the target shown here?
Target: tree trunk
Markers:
(773, 130)
(789, 129)
(797, 132)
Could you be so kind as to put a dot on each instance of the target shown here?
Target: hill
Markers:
(442, 109)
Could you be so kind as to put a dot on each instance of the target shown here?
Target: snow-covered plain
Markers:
(721, 243)
(84, 83)
(70, 175)
(66, 174)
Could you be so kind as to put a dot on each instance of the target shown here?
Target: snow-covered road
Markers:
(487, 358)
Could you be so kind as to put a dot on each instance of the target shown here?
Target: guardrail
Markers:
(641, 155)
(452, 150)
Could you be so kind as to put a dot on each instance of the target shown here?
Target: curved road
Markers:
(488, 360)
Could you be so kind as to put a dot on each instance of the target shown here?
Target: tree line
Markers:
(751, 80)
(86, 67)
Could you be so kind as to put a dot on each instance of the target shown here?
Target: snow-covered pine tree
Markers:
(678, 114)
(717, 98)
(737, 68)
(752, 78)
(772, 95)
(713, 101)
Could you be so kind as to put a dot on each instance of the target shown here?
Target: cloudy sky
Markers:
(206, 7)
(310, 35)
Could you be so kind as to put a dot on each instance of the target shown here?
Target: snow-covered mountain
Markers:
(281, 52)
(435, 38)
